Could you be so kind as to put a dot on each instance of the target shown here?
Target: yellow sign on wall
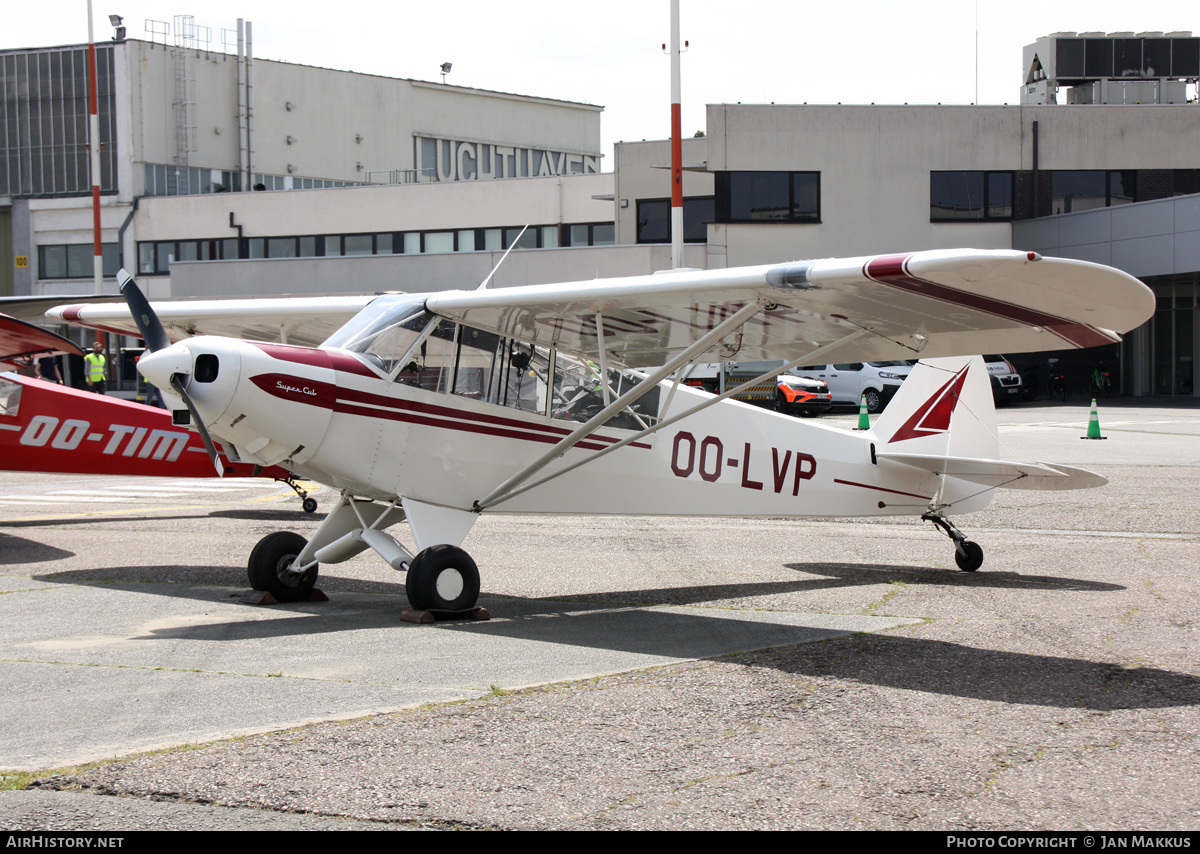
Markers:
(22, 261)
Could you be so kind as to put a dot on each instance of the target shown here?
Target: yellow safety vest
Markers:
(96, 367)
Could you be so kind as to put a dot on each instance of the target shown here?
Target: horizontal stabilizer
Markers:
(1007, 474)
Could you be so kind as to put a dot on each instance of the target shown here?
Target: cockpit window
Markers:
(396, 335)
(10, 398)
(383, 331)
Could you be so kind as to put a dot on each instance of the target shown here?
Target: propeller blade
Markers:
(208, 442)
(148, 325)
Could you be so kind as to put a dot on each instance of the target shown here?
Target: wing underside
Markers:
(293, 320)
(922, 304)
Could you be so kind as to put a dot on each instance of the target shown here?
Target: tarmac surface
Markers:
(638, 673)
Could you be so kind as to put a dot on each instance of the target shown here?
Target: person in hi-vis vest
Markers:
(95, 369)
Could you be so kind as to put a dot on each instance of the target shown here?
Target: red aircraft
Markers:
(45, 427)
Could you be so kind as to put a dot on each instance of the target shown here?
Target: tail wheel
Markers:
(442, 578)
(270, 567)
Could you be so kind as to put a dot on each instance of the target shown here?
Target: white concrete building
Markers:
(185, 120)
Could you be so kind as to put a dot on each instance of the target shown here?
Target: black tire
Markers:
(270, 564)
(442, 578)
(780, 402)
(874, 400)
(972, 560)
(309, 505)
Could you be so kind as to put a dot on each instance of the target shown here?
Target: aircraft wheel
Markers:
(874, 400)
(309, 505)
(972, 560)
(270, 567)
(442, 578)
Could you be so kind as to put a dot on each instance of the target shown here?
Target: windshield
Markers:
(382, 332)
(378, 316)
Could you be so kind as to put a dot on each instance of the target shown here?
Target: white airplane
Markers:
(434, 408)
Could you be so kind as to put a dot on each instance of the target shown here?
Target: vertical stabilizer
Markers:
(944, 408)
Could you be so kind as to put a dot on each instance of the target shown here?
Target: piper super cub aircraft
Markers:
(434, 408)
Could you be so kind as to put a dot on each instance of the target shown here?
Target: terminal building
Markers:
(1098, 158)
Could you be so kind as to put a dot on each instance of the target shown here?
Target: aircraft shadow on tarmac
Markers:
(191, 581)
(906, 662)
(944, 667)
(857, 573)
(15, 550)
(916, 664)
(291, 515)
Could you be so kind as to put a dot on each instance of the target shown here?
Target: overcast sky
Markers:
(753, 51)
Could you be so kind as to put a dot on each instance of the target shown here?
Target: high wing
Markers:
(293, 320)
(934, 303)
(927, 304)
(19, 339)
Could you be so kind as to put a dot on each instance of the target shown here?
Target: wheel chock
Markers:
(410, 615)
(263, 597)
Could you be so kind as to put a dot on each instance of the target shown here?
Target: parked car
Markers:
(849, 383)
(801, 396)
(1006, 381)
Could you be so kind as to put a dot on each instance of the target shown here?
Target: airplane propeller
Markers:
(155, 336)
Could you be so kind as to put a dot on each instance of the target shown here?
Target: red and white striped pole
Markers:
(676, 146)
(94, 145)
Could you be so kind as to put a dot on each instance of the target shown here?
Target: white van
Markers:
(848, 383)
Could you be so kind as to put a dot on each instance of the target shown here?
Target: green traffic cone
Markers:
(864, 423)
(1093, 424)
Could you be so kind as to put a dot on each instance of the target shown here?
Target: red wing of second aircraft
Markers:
(20, 340)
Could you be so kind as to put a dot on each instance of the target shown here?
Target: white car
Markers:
(850, 382)
(1006, 382)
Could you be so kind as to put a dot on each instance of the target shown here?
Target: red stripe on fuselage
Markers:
(893, 270)
(331, 359)
(367, 404)
(880, 489)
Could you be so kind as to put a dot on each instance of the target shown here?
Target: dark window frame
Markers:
(725, 190)
(76, 261)
(986, 203)
(697, 226)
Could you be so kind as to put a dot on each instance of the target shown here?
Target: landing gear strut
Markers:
(968, 555)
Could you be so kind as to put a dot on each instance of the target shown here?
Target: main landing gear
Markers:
(968, 555)
(441, 579)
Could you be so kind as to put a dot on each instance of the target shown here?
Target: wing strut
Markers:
(774, 372)
(734, 321)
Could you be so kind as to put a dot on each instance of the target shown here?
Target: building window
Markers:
(966, 196)
(189, 181)
(74, 261)
(654, 219)
(767, 197)
(1087, 189)
(155, 257)
(590, 234)
(44, 122)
